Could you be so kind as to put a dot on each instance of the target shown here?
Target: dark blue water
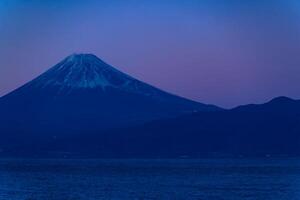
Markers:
(212, 179)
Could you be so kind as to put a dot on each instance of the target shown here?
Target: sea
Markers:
(150, 179)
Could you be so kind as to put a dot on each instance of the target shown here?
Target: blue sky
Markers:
(225, 52)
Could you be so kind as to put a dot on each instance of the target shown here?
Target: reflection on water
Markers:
(212, 179)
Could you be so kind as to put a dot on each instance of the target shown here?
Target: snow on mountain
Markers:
(77, 99)
(84, 93)
(86, 71)
(83, 71)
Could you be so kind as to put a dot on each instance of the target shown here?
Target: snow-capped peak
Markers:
(87, 71)
(83, 71)
(84, 58)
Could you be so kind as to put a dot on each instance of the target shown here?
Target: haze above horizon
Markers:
(223, 52)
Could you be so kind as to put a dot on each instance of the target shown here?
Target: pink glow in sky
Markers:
(225, 52)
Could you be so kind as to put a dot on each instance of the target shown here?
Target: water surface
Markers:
(212, 179)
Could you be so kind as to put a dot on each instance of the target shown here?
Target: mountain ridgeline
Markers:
(270, 129)
(83, 93)
(84, 107)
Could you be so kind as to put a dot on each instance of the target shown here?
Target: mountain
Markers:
(271, 129)
(82, 93)
(82, 107)
(279, 104)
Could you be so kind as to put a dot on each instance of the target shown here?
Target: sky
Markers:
(223, 52)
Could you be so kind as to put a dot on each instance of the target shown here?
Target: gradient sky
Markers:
(224, 52)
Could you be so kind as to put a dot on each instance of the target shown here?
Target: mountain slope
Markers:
(252, 130)
(84, 107)
(82, 93)
(272, 128)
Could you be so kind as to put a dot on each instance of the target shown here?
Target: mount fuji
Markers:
(81, 94)
(84, 107)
